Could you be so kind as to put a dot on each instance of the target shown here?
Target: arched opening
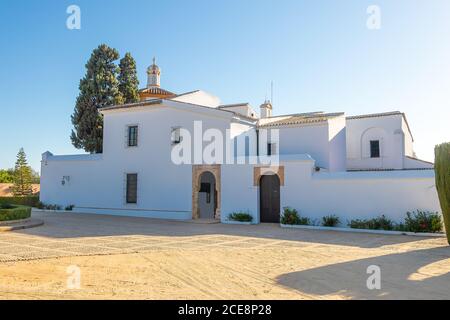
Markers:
(269, 198)
(207, 196)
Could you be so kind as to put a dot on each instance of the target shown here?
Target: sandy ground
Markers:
(131, 258)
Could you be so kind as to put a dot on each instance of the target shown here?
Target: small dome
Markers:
(154, 69)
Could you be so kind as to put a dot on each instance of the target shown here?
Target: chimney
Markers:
(266, 109)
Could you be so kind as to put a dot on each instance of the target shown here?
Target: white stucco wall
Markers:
(325, 142)
(242, 134)
(350, 195)
(409, 141)
(411, 163)
(337, 142)
(245, 110)
(238, 192)
(311, 139)
(97, 182)
(199, 97)
(164, 188)
(388, 130)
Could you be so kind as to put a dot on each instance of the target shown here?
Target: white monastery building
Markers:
(187, 156)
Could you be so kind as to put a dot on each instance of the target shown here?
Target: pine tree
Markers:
(22, 176)
(128, 79)
(442, 172)
(99, 88)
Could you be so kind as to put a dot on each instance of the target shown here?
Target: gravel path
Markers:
(122, 257)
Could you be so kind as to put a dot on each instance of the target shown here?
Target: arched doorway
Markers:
(269, 198)
(197, 172)
(207, 196)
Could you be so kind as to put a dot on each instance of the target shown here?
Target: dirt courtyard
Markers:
(136, 258)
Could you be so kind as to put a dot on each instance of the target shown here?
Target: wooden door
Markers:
(270, 199)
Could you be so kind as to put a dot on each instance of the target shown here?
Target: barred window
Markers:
(132, 188)
(132, 136)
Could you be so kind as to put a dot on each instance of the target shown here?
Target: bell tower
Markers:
(153, 89)
(153, 75)
(266, 109)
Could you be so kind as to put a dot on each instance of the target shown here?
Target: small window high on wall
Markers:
(176, 135)
(132, 136)
(375, 148)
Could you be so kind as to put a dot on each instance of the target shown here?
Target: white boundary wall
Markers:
(350, 195)
(94, 188)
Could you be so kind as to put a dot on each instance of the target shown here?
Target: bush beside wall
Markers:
(22, 201)
(14, 212)
(241, 217)
(291, 217)
(416, 221)
(331, 221)
(378, 223)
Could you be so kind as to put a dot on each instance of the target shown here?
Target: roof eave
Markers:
(131, 105)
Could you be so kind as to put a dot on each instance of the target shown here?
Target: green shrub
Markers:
(6, 206)
(416, 221)
(241, 216)
(290, 216)
(422, 221)
(331, 221)
(15, 212)
(40, 205)
(442, 174)
(30, 201)
(379, 223)
(55, 207)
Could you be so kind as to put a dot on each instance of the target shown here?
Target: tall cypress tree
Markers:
(99, 88)
(128, 79)
(22, 176)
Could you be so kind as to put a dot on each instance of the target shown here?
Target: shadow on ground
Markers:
(420, 274)
(73, 225)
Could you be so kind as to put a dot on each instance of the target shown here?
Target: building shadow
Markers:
(75, 225)
(403, 276)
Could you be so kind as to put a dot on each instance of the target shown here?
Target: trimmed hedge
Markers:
(21, 201)
(14, 213)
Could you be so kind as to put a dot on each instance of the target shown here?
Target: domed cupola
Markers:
(153, 89)
(153, 75)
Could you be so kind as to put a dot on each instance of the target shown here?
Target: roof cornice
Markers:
(132, 105)
(384, 114)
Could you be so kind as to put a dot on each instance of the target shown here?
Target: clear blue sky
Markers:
(320, 55)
